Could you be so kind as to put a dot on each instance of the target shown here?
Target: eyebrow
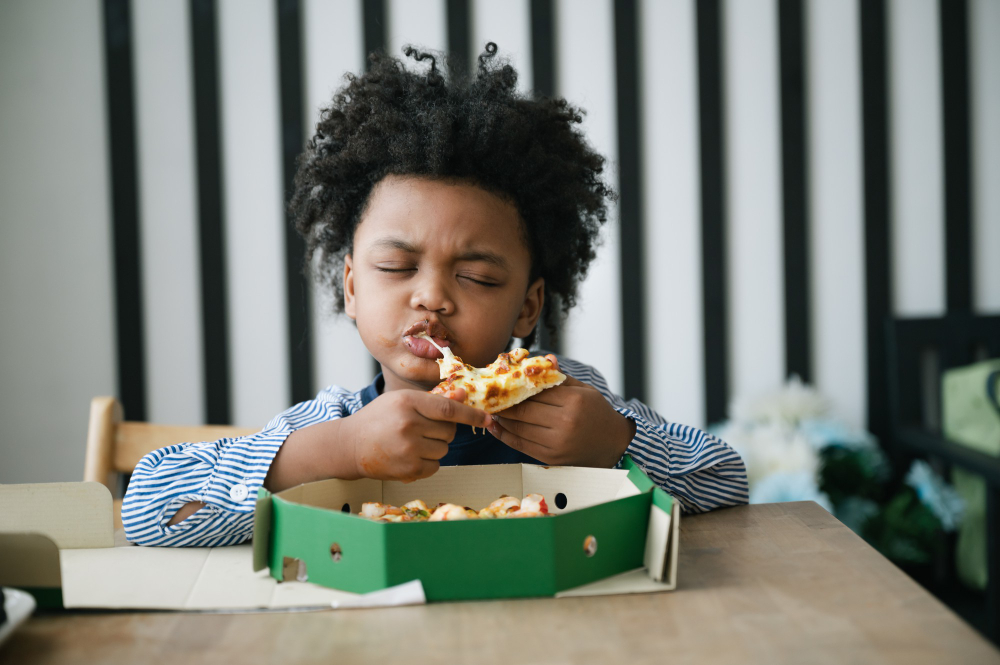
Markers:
(474, 255)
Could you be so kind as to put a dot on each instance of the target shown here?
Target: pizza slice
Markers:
(512, 378)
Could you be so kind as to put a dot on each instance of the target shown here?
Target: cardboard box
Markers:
(58, 540)
(606, 522)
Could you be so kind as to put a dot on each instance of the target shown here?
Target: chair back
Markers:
(115, 446)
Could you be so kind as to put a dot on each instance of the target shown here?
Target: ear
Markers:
(534, 299)
(349, 301)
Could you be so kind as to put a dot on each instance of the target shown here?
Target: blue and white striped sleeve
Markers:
(698, 469)
(223, 474)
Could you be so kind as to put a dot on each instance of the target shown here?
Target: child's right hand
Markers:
(402, 434)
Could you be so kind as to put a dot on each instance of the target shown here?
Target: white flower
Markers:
(770, 448)
(823, 433)
(793, 403)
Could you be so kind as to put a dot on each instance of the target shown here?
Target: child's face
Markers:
(445, 258)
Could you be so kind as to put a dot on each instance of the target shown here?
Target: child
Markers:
(459, 209)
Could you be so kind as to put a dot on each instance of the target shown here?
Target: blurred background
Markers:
(793, 175)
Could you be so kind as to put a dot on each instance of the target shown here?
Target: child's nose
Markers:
(432, 296)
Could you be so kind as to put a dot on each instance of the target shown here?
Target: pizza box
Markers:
(58, 541)
(605, 522)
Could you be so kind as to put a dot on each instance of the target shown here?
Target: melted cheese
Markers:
(509, 380)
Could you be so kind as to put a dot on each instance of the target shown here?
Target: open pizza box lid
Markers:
(57, 540)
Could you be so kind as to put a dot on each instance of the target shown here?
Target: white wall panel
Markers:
(984, 85)
(57, 339)
(421, 23)
(917, 167)
(254, 217)
(672, 188)
(836, 209)
(586, 77)
(333, 46)
(754, 207)
(507, 23)
(168, 212)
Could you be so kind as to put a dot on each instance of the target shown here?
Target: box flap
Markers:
(71, 514)
(261, 529)
(637, 475)
(29, 560)
(658, 536)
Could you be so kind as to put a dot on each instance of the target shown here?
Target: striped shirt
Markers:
(699, 470)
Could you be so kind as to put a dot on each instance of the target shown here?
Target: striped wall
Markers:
(789, 170)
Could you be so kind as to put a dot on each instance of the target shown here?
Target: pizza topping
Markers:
(511, 379)
(449, 512)
(532, 505)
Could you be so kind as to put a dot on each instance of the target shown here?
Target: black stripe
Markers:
(543, 73)
(292, 136)
(212, 255)
(957, 161)
(795, 188)
(125, 209)
(878, 258)
(630, 198)
(374, 22)
(713, 208)
(459, 34)
(543, 47)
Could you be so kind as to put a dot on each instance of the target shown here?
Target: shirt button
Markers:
(238, 492)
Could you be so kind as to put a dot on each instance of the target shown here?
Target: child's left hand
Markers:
(571, 424)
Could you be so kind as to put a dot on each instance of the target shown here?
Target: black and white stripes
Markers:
(781, 180)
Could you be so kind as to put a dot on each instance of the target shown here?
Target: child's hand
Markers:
(402, 434)
(571, 424)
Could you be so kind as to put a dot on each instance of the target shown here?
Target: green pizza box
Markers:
(605, 522)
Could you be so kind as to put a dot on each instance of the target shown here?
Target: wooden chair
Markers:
(115, 446)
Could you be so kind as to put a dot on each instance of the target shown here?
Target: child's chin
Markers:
(425, 377)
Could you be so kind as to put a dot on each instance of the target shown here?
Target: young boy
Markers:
(458, 209)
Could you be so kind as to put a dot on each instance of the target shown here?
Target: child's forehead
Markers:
(425, 214)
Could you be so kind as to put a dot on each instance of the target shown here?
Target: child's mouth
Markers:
(422, 348)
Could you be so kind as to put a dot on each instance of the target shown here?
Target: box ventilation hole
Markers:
(293, 569)
(346, 508)
(336, 553)
(590, 546)
(560, 501)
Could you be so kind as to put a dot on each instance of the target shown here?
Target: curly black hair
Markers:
(473, 129)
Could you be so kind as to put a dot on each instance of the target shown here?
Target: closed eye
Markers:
(478, 281)
(394, 269)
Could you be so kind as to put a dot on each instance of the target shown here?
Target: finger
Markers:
(531, 411)
(555, 361)
(556, 396)
(433, 449)
(522, 430)
(457, 394)
(511, 440)
(438, 430)
(426, 469)
(436, 407)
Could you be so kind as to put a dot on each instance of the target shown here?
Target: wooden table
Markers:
(778, 583)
